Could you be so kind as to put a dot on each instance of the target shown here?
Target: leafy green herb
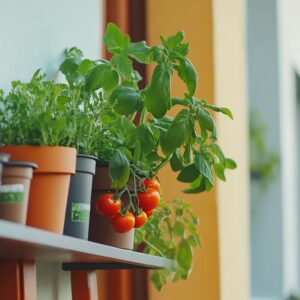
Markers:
(171, 232)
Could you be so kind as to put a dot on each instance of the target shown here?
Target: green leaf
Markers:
(156, 279)
(179, 132)
(226, 111)
(185, 256)
(114, 39)
(125, 100)
(174, 40)
(124, 65)
(119, 169)
(139, 51)
(179, 229)
(198, 186)
(219, 171)
(69, 66)
(203, 167)
(145, 136)
(157, 95)
(176, 161)
(137, 152)
(218, 151)
(230, 164)
(85, 66)
(188, 174)
(188, 74)
(206, 121)
(102, 76)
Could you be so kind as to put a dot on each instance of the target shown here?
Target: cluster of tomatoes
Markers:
(148, 200)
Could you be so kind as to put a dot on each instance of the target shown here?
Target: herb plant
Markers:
(171, 232)
(143, 137)
(35, 113)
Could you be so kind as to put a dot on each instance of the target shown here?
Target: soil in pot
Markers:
(50, 183)
(100, 229)
(14, 193)
(79, 199)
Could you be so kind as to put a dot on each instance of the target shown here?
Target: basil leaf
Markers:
(119, 169)
(176, 161)
(179, 132)
(230, 164)
(124, 65)
(125, 100)
(157, 95)
(102, 76)
(145, 136)
(206, 121)
(219, 171)
(188, 174)
(114, 39)
(188, 74)
(203, 167)
(139, 51)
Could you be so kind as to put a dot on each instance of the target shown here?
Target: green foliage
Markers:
(263, 163)
(170, 232)
(153, 139)
(36, 113)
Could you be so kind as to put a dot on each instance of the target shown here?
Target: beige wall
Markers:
(216, 33)
(195, 18)
(230, 90)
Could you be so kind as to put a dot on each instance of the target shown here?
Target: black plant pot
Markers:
(79, 198)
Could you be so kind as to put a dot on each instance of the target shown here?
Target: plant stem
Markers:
(162, 164)
(144, 115)
(153, 247)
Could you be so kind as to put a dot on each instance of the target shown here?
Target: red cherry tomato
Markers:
(124, 223)
(149, 199)
(149, 213)
(107, 206)
(152, 183)
(140, 219)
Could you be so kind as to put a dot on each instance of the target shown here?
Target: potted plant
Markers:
(14, 193)
(140, 136)
(34, 127)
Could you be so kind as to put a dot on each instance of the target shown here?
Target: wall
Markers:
(289, 61)
(195, 18)
(231, 91)
(34, 34)
(266, 203)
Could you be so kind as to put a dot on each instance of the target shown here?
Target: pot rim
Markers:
(20, 164)
(87, 156)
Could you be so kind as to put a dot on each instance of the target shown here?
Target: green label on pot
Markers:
(11, 193)
(80, 212)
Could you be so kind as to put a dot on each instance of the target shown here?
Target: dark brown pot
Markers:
(16, 182)
(100, 229)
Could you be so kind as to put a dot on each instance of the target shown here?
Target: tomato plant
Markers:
(108, 206)
(123, 223)
(140, 219)
(149, 199)
(152, 183)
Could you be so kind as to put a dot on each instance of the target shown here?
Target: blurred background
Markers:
(247, 54)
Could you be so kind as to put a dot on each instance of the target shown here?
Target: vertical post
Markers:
(84, 285)
(28, 280)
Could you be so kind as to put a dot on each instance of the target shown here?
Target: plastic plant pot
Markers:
(101, 230)
(14, 192)
(50, 183)
(79, 199)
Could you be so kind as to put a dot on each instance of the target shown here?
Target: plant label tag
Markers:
(80, 212)
(11, 193)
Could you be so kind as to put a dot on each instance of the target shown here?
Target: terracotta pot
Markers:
(4, 157)
(15, 190)
(79, 199)
(101, 230)
(50, 184)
